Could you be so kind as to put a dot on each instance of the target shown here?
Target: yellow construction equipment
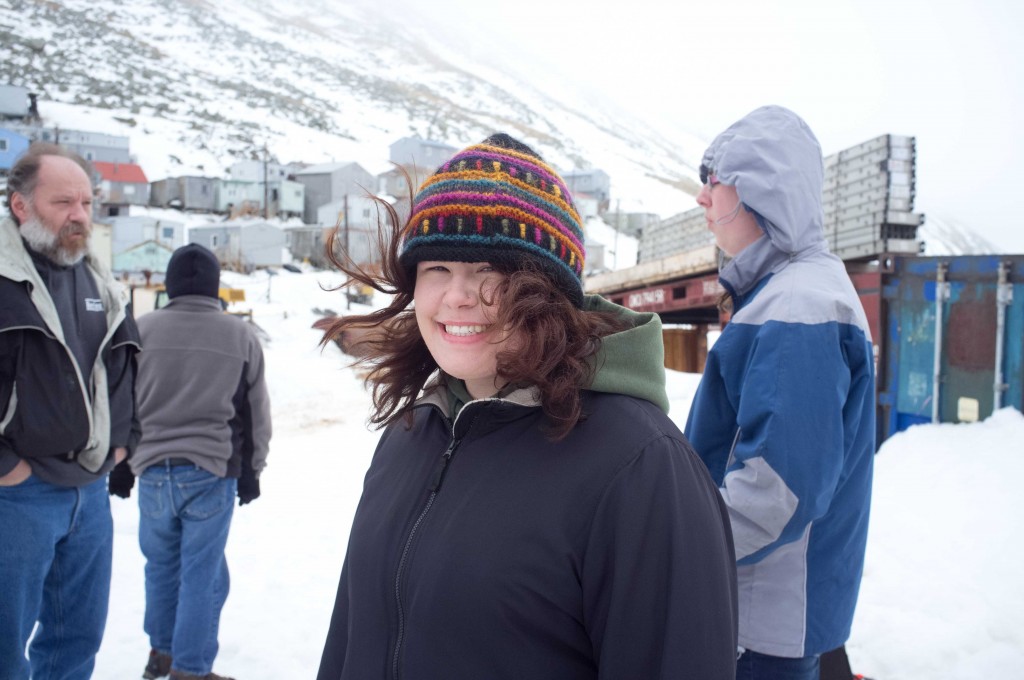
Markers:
(147, 298)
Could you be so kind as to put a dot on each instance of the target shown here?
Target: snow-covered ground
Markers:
(942, 594)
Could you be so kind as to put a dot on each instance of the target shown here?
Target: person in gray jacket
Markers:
(205, 417)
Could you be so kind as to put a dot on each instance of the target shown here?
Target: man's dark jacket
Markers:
(63, 425)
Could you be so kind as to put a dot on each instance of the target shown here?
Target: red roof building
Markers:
(121, 185)
(128, 173)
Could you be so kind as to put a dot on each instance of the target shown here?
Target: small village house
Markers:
(131, 230)
(242, 245)
(187, 192)
(12, 145)
(121, 185)
(331, 182)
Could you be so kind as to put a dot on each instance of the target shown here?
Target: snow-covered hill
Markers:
(197, 85)
(950, 237)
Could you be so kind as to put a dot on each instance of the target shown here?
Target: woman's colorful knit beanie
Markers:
(498, 201)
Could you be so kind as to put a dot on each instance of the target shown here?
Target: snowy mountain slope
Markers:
(198, 84)
(950, 237)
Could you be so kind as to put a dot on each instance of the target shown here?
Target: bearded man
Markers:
(67, 417)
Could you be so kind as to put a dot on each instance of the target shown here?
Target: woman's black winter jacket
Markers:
(482, 550)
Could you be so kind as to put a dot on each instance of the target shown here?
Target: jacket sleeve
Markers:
(788, 456)
(121, 370)
(257, 410)
(659, 574)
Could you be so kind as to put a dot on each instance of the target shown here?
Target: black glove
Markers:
(248, 489)
(121, 480)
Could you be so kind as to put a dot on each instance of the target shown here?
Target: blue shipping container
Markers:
(943, 345)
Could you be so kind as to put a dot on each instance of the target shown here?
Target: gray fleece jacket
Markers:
(200, 389)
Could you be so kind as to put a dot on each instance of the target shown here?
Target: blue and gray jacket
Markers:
(784, 415)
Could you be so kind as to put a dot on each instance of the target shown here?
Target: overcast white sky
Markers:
(949, 72)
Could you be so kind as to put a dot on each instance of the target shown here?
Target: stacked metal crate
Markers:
(868, 201)
(677, 234)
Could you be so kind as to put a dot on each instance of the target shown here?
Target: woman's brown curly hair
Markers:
(556, 352)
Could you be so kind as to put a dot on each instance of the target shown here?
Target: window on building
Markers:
(3, 145)
(168, 233)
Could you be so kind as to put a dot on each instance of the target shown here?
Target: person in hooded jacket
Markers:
(784, 414)
(531, 511)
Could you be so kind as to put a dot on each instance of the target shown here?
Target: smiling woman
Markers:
(454, 314)
(531, 511)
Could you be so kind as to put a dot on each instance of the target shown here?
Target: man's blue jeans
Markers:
(55, 556)
(184, 517)
(755, 666)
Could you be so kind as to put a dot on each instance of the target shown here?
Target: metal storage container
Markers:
(954, 339)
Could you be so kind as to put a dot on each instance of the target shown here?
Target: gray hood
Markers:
(774, 161)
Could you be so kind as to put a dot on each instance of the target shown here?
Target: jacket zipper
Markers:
(435, 486)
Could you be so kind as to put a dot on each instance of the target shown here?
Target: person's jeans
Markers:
(184, 517)
(755, 666)
(55, 556)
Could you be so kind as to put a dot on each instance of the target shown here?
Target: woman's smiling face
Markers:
(456, 322)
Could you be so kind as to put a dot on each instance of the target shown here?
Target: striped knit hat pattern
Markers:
(498, 201)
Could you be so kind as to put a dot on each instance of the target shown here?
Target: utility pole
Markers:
(266, 203)
(618, 227)
(348, 256)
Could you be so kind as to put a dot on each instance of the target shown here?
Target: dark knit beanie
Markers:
(498, 201)
(193, 270)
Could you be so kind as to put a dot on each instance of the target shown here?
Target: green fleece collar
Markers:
(631, 362)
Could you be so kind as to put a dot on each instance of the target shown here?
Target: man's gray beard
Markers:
(47, 243)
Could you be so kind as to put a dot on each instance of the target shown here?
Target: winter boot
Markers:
(158, 666)
(182, 675)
